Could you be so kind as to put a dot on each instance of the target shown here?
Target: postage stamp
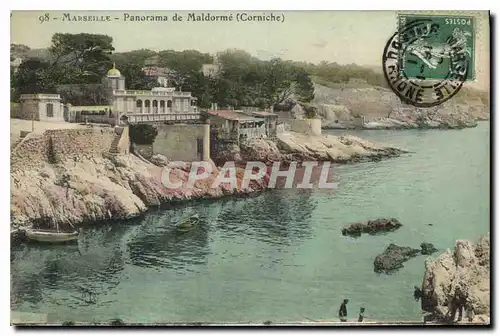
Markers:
(428, 54)
(429, 58)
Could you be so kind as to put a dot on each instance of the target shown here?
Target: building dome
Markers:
(114, 72)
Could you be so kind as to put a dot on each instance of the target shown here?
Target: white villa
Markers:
(158, 104)
(161, 104)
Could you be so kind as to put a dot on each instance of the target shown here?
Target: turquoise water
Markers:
(279, 256)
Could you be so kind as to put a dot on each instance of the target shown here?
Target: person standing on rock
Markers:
(457, 303)
(469, 310)
(343, 311)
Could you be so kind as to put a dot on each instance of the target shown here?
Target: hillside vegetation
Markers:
(75, 64)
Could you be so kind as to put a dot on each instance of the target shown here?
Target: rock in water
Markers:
(427, 248)
(372, 227)
(393, 258)
(466, 271)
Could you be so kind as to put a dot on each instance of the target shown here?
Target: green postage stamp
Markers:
(433, 45)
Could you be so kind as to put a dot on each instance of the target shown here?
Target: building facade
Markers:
(212, 69)
(237, 126)
(42, 107)
(161, 104)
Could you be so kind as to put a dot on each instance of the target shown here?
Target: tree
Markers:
(87, 54)
(34, 76)
(142, 134)
(137, 57)
(304, 90)
(135, 77)
(279, 83)
(84, 94)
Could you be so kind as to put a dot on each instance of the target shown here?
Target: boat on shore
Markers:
(188, 224)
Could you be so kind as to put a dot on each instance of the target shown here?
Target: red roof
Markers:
(230, 115)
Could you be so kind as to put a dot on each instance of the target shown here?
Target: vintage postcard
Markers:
(299, 168)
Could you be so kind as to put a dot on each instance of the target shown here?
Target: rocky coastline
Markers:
(104, 188)
(94, 188)
(363, 106)
(293, 146)
(458, 279)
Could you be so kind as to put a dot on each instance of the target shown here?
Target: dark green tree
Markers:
(142, 134)
(87, 54)
(135, 78)
(34, 76)
(304, 88)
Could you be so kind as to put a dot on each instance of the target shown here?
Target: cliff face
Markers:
(71, 176)
(465, 272)
(93, 189)
(75, 176)
(342, 107)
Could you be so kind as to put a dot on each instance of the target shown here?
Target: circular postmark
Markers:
(424, 66)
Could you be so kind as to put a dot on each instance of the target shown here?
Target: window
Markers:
(50, 110)
(139, 105)
(169, 104)
(155, 106)
(162, 106)
(199, 145)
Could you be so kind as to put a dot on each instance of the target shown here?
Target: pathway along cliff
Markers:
(63, 177)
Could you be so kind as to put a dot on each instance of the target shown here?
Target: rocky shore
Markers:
(100, 188)
(461, 277)
(89, 188)
(292, 146)
(363, 106)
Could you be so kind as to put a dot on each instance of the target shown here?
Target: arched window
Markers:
(155, 106)
(162, 106)
(169, 104)
(139, 105)
(147, 105)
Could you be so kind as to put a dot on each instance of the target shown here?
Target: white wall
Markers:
(307, 126)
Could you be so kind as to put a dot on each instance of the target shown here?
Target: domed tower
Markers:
(114, 79)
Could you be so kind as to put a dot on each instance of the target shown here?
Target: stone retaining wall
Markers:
(66, 143)
(76, 142)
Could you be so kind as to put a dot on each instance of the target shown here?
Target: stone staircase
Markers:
(113, 149)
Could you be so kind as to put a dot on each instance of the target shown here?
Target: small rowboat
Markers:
(188, 224)
(46, 236)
